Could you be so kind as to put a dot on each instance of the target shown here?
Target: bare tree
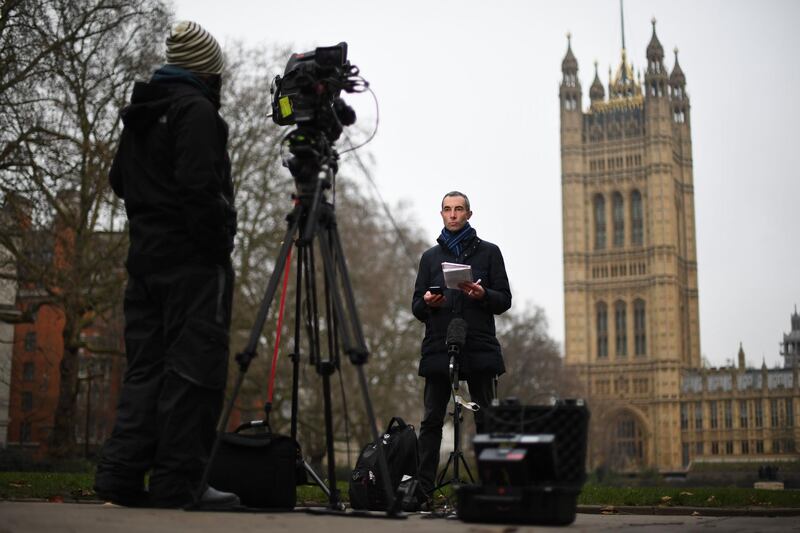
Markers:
(535, 370)
(67, 69)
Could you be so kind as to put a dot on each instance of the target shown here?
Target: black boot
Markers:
(215, 500)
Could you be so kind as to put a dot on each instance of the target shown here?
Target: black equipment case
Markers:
(531, 461)
(261, 468)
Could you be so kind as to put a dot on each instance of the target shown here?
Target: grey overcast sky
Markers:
(468, 94)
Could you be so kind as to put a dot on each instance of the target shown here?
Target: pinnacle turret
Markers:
(596, 91)
(569, 65)
(677, 78)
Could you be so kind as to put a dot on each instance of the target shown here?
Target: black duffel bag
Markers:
(261, 468)
(399, 444)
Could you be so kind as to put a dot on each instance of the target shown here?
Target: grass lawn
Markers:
(58, 486)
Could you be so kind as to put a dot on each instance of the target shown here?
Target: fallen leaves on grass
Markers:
(666, 499)
(19, 484)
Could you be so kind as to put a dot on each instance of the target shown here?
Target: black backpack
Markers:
(402, 458)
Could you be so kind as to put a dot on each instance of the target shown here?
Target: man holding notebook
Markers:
(436, 303)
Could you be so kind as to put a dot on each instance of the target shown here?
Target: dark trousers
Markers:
(438, 391)
(176, 342)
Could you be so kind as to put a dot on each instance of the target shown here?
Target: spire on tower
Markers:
(570, 91)
(596, 91)
(677, 78)
(569, 65)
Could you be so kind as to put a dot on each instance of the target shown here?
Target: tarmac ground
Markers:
(23, 517)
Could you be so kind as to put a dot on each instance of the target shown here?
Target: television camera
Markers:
(308, 95)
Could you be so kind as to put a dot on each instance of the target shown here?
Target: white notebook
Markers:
(455, 273)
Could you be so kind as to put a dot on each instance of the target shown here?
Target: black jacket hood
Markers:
(148, 102)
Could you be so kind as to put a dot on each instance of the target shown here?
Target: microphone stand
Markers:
(456, 457)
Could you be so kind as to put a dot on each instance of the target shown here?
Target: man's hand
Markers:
(433, 300)
(472, 290)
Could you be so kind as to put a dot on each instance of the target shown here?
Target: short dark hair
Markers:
(457, 193)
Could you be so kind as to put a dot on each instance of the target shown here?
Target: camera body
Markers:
(308, 93)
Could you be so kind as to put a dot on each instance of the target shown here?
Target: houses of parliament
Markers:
(630, 285)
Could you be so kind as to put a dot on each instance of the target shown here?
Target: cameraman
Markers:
(477, 303)
(173, 172)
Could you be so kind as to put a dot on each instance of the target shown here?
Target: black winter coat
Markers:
(481, 353)
(173, 171)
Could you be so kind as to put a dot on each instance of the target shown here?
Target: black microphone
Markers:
(456, 335)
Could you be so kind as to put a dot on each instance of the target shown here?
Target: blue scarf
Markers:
(455, 241)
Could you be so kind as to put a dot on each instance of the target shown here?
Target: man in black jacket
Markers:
(173, 172)
(476, 302)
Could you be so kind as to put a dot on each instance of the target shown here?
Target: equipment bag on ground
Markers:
(399, 444)
(261, 468)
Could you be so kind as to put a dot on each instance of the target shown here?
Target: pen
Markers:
(479, 280)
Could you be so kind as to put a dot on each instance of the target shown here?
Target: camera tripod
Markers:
(313, 220)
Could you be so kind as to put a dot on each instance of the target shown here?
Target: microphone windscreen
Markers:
(457, 332)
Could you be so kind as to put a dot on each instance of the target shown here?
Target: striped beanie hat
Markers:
(191, 47)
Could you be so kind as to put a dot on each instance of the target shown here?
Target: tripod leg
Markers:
(466, 467)
(274, 281)
(440, 482)
(317, 479)
(301, 254)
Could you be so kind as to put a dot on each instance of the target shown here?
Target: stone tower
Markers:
(630, 261)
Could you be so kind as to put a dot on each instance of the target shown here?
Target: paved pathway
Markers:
(24, 517)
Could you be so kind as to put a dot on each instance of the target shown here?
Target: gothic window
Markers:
(602, 329)
(773, 410)
(628, 442)
(745, 447)
(759, 413)
(742, 413)
(621, 328)
(684, 416)
(713, 415)
(685, 453)
(599, 222)
(789, 412)
(639, 328)
(619, 220)
(636, 218)
(728, 414)
(698, 416)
